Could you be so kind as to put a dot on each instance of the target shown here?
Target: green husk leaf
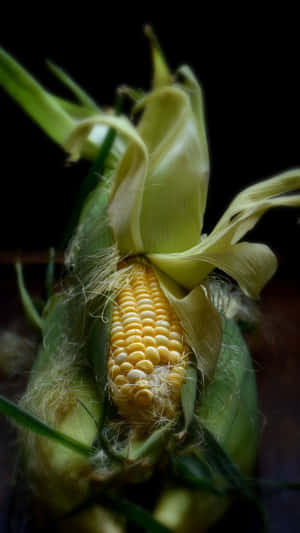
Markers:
(232, 418)
(28, 421)
(218, 459)
(134, 157)
(98, 349)
(55, 322)
(81, 95)
(170, 132)
(250, 264)
(200, 321)
(55, 319)
(93, 234)
(134, 94)
(56, 116)
(161, 73)
(76, 111)
(96, 171)
(188, 395)
(29, 308)
(194, 473)
(190, 84)
(228, 409)
(40, 105)
(92, 180)
(152, 446)
(134, 513)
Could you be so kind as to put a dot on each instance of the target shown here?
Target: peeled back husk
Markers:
(229, 410)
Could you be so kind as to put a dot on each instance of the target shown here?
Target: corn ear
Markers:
(138, 362)
(60, 385)
(148, 356)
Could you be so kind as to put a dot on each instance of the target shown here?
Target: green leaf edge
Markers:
(29, 308)
(151, 444)
(29, 421)
(80, 94)
(188, 395)
(37, 102)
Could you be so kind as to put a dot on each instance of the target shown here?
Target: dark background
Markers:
(248, 66)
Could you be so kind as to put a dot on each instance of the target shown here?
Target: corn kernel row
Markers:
(148, 356)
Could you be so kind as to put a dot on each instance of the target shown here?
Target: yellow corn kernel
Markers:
(133, 326)
(143, 397)
(126, 391)
(152, 355)
(120, 380)
(117, 335)
(117, 350)
(149, 341)
(141, 384)
(133, 338)
(115, 370)
(145, 365)
(135, 357)
(148, 357)
(129, 308)
(118, 342)
(148, 322)
(148, 331)
(175, 344)
(164, 354)
(126, 367)
(136, 347)
(159, 330)
(174, 357)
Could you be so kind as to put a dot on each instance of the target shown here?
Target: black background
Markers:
(248, 65)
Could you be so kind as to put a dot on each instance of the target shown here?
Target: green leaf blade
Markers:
(188, 395)
(30, 422)
(151, 446)
(49, 279)
(81, 95)
(229, 407)
(38, 103)
(194, 473)
(98, 350)
(29, 308)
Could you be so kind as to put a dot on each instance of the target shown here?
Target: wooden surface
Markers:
(275, 349)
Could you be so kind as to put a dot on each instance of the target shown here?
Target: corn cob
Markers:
(148, 356)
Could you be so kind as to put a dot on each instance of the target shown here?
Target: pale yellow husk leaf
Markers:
(200, 321)
(250, 264)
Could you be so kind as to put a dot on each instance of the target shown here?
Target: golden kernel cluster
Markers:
(148, 357)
